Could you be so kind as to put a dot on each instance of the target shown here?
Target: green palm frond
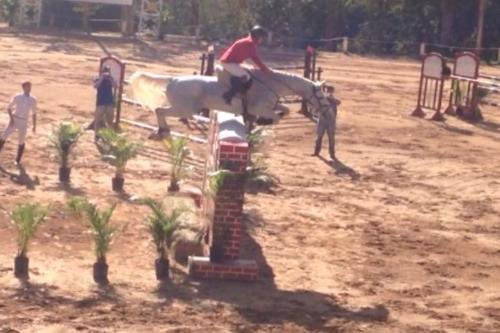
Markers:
(63, 139)
(117, 149)
(27, 218)
(256, 138)
(257, 174)
(216, 181)
(162, 224)
(177, 147)
(99, 221)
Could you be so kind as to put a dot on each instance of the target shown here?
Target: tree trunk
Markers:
(334, 21)
(86, 14)
(127, 21)
(446, 24)
(480, 24)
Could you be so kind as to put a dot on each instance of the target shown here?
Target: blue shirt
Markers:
(105, 92)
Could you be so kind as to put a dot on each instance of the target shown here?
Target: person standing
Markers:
(236, 54)
(326, 124)
(104, 112)
(19, 110)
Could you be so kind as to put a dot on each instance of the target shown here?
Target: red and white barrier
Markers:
(430, 91)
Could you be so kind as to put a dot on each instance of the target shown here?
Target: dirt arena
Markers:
(400, 235)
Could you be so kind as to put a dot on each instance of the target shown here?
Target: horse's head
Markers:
(317, 99)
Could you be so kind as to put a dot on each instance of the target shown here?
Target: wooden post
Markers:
(210, 61)
(423, 46)
(345, 44)
(203, 60)
(307, 73)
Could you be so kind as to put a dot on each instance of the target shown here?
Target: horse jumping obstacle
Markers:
(229, 150)
(466, 83)
(430, 90)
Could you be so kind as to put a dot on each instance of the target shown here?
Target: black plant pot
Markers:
(100, 272)
(173, 187)
(21, 267)
(162, 267)
(118, 184)
(64, 174)
(216, 253)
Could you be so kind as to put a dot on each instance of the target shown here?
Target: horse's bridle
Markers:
(321, 100)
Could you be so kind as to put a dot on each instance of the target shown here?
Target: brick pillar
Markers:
(228, 150)
(228, 210)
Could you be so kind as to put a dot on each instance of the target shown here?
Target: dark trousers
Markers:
(326, 124)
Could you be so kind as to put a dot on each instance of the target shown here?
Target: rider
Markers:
(241, 50)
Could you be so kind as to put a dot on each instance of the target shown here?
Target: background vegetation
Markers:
(375, 26)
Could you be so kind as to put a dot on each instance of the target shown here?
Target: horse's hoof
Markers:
(154, 136)
(264, 121)
(161, 134)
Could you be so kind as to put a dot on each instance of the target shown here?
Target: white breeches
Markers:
(236, 70)
(21, 126)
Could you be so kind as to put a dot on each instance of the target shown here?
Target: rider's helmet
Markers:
(258, 32)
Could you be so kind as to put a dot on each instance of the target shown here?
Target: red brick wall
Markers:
(226, 209)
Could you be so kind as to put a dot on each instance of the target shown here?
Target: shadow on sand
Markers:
(340, 168)
(264, 302)
(22, 178)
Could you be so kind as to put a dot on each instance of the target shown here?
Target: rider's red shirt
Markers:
(242, 50)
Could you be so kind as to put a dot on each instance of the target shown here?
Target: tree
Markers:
(447, 8)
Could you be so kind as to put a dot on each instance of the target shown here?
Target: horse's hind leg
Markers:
(161, 115)
(172, 111)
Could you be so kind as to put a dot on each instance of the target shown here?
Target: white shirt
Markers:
(24, 104)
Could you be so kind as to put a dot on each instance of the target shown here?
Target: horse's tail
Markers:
(149, 89)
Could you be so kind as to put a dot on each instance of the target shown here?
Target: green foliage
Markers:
(216, 181)
(63, 139)
(162, 225)
(116, 149)
(99, 223)
(374, 26)
(258, 177)
(8, 10)
(256, 138)
(177, 147)
(27, 218)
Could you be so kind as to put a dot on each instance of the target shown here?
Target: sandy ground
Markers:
(400, 235)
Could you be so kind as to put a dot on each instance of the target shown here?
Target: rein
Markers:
(319, 99)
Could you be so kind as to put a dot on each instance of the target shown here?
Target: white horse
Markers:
(187, 95)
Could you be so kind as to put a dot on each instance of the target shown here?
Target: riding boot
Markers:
(237, 86)
(2, 142)
(20, 152)
(317, 148)
(332, 154)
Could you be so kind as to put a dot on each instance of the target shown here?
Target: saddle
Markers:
(236, 86)
(225, 79)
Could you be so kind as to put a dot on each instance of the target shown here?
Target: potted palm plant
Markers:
(177, 147)
(117, 150)
(102, 230)
(27, 218)
(63, 139)
(162, 226)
